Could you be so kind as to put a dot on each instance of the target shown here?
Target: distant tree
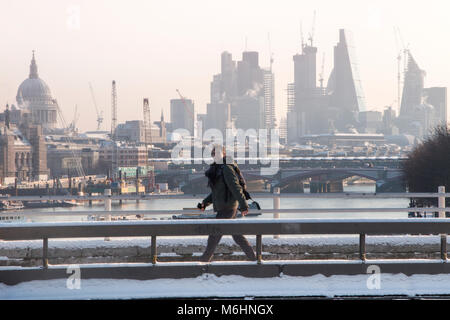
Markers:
(428, 165)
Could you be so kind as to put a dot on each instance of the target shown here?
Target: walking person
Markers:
(226, 195)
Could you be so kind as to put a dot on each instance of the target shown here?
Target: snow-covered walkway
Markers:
(233, 286)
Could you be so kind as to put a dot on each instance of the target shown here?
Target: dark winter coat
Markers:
(226, 190)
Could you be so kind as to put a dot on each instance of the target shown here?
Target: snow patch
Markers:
(209, 285)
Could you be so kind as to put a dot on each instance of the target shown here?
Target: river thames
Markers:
(265, 203)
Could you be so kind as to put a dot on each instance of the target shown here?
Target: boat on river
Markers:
(11, 205)
(50, 204)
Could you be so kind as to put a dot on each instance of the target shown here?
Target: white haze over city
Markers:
(152, 48)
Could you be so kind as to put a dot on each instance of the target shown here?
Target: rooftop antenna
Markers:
(270, 51)
(301, 36)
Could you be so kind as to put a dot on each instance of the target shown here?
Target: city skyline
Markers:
(99, 51)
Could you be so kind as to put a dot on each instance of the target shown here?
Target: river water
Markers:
(267, 203)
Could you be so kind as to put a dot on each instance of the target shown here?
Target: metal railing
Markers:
(154, 229)
(150, 214)
(254, 227)
(276, 196)
(341, 195)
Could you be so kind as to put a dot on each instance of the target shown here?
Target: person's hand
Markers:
(201, 206)
(244, 213)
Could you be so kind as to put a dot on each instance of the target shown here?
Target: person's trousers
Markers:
(214, 240)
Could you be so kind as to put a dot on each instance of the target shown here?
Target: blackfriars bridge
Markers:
(322, 174)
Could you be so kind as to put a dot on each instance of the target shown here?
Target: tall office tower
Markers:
(228, 76)
(347, 95)
(218, 116)
(283, 130)
(227, 64)
(242, 95)
(388, 121)
(244, 81)
(249, 74)
(305, 70)
(217, 111)
(290, 92)
(252, 57)
(412, 88)
(421, 109)
(293, 121)
(308, 115)
(269, 100)
(248, 107)
(216, 94)
(437, 97)
(182, 114)
(247, 112)
(305, 89)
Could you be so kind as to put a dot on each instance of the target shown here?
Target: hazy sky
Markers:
(152, 48)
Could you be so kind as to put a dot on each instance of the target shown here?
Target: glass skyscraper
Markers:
(345, 83)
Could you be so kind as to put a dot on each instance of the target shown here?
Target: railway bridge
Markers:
(320, 179)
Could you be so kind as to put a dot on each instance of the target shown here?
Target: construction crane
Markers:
(147, 141)
(76, 117)
(76, 155)
(313, 30)
(99, 114)
(322, 71)
(114, 150)
(113, 110)
(183, 99)
(403, 52)
(72, 127)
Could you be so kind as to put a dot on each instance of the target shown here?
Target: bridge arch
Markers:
(329, 172)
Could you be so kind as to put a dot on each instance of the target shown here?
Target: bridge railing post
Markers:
(276, 206)
(259, 248)
(444, 247)
(107, 193)
(442, 214)
(362, 247)
(441, 201)
(45, 253)
(153, 250)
